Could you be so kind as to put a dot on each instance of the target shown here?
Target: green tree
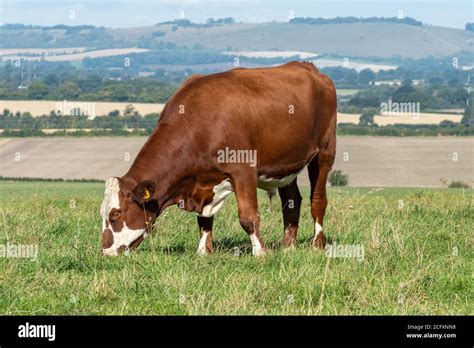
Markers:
(114, 113)
(367, 117)
(366, 76)
(119, 92)
(129, 110)
(51, 80)
(90, 84)
(37, 90)
(468, 118)
(69, 90)
(145, 97)
(458, 184)
(337, 178)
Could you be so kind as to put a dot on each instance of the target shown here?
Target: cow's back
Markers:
(281, 112)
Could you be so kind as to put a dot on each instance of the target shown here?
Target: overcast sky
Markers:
(131, 13)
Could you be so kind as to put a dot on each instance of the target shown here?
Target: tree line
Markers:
(443, 86)
(427, 97)
(130, 122)
(114, 120)
(49, 81)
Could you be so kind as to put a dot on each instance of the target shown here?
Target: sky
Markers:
(133, 13)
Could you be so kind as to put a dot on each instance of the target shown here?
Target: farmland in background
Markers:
(61, 54)
(44, 107)
(381, 161)
(380, 38)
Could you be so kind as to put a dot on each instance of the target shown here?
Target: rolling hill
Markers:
(355, 40)
(361, 40)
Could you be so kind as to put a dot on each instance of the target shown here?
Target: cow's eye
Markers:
(115, 215)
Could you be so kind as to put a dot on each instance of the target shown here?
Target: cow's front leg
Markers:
(205, 235)
(245, 188)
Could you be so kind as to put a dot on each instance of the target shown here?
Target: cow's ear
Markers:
(144, 191)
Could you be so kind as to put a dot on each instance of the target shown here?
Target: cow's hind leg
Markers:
(318, 170)
(291, 205)
(245, 188)
(205, 237)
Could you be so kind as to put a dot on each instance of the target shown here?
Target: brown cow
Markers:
(230, 132)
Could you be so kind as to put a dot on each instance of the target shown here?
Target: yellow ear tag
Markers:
(147, 195)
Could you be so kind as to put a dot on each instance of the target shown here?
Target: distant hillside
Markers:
(366, 38)
(355, 39)
(339, 20)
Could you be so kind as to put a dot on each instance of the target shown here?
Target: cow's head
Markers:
(126, 214)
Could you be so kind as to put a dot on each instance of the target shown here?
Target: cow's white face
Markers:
(123, 220)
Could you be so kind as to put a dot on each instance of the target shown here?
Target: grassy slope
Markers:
(355, 40)
(409, 265)
(363, 40)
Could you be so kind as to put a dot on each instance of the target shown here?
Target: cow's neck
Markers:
(159, 161)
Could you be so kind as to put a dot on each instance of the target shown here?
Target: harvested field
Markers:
(329, 63)
(273, 54)
(54, 56)
(422, 118)
(385, 120)
(369, 161)
(44, 107)
(40, 51)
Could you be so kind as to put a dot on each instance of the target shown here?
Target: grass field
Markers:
(417, 244)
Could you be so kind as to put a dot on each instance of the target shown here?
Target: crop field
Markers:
(368, 161)
(421, 118)
(272, 54)
(330, 63)
(347, 92)
(44, 107)
(64, 54)
(415, 256)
